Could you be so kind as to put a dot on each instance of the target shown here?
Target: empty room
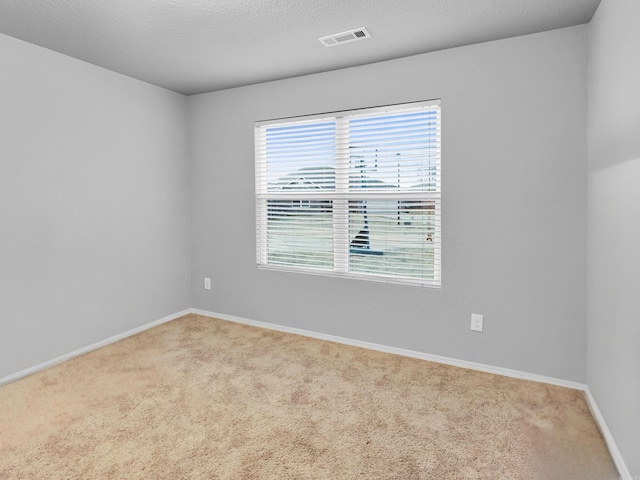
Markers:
(278, 239)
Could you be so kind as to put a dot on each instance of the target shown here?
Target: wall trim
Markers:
(90, 348)
(599, 419)
(591, 402)
(623, 471)
(398, 351)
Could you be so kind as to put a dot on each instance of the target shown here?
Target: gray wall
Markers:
(613, 354)
(94, 204)
(95, 208)
(514, 206)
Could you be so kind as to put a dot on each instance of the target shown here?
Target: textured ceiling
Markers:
(195, 46)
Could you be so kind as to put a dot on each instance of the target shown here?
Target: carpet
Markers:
(201, 398)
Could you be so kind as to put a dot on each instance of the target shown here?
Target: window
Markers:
(352, 194)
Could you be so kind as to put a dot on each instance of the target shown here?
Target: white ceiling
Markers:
(195, 46)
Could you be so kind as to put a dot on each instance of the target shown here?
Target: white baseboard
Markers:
(613, 449)
(87, 349)
(398, 351)
(608, 438)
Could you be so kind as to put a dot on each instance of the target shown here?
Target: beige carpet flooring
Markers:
(199, 398)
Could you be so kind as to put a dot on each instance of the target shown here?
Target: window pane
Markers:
(353, 193)
(301, 157)
(393, 237)
(394, 152)
(300, 232)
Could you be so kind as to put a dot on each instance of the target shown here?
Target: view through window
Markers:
(353, 193)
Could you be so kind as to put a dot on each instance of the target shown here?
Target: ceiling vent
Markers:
(345, 37)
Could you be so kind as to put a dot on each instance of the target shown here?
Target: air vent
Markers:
(344, 37)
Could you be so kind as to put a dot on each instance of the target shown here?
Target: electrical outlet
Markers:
(207, 283)
(477, 322)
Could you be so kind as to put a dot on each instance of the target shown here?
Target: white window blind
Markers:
(353, 193)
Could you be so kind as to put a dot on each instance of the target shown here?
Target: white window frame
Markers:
(341, 195)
